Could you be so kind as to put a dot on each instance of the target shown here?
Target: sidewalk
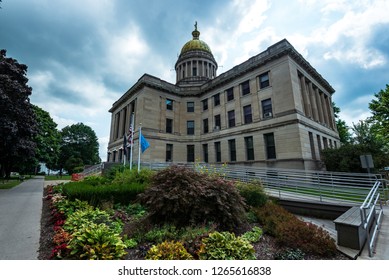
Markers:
(20, 216)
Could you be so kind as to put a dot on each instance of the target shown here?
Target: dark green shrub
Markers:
(226, 246)
(252, 192)
(96, 195)
(168, 250)
(128, 176)
(181, 197)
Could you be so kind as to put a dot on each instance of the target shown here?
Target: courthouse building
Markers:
(273, 110)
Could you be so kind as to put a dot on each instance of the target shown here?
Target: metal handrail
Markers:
(322, 186)
(371, 216)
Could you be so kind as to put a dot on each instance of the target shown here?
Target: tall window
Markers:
(218, 152)
(264, 80)
(190, 127)
(248, 117)
(190, 153)
(194, 69)
(190, 107)
(169, 104)
(169, 126)
(232, 148)
(216, 100)
(205, 152)
(267, 109)
(217, 122)
(231, 118)
(230, 94)
(270, 145)
(169, 152)
(249, 147)
(245, 87)
(205, 125)
(205, 104)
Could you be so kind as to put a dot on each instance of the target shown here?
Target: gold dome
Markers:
(195, 44)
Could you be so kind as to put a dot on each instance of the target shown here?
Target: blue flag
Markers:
(143, 143)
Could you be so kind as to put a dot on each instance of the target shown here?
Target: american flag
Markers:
(130, 141)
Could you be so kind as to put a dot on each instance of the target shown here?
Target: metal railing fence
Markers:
(319, 186)
(371, 214)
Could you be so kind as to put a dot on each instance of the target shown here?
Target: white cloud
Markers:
(356, 110)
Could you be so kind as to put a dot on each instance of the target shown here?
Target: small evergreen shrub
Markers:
(97, 195)
(226, 246)
(182, 197)
(252, 192)
(168, 250)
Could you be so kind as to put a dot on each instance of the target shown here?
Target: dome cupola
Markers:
(195, 64)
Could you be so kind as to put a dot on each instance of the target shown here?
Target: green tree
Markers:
(79, 142)
(379, 107)
(343, 129)
(47, 139)
(18, 125)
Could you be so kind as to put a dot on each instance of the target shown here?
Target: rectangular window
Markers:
(217, 122)
(190, 127)
(249, 147)
(245, 87)
(169, 104)
(267, 109)
(194, 69)
(230, 94)
(270, 145)
(169, 126)
(190, 153)
(205, 104)
(218, 152)
(205, 152)
(325, 143)
(248, 117)
(264, 80)
(169, 152)
(205, 125)
(231, 118)
(190, 107)
(232, 148)
(216, 100)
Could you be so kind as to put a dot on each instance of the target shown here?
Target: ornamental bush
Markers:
(96, 242)
(295, 233)
(182, 196)
(253, 193)
(226, 246)
(168, 250)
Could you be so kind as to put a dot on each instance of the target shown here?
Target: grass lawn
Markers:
(9, 184)
(55, 177)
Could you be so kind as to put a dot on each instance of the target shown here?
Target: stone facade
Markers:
(273, 110)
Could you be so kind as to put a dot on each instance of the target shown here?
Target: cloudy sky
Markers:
(82, 55)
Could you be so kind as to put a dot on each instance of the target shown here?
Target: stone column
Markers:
(305, 97)
(325, 111)
(319, 106)
(313, 102)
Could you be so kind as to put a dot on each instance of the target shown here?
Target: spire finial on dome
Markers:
(195, 33)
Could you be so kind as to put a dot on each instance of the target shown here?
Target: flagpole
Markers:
(139, 140)
(132, 138)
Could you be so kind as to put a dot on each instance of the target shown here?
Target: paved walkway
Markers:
(20, 216)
